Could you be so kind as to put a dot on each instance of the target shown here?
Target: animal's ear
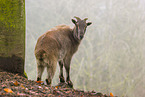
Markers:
(73, 21)
(89, 23)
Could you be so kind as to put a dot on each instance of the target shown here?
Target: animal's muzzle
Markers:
(81, 36)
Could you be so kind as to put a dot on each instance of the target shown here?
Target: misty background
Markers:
(111, 57)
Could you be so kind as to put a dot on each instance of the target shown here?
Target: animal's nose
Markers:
(81, 36)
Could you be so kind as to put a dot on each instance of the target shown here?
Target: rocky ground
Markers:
(15, 85)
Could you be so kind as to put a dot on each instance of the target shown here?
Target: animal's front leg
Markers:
(67, 67)
(61, 78)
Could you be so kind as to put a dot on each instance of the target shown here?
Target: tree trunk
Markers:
(12, 36)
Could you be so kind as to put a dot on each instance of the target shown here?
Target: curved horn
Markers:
(77, 18)
(86, 19)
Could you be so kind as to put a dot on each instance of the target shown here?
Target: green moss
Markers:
(12, 28)
(25, 74)
(12, 18)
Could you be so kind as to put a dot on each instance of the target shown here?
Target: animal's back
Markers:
(54, 41)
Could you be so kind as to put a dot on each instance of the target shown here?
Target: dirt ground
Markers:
(15, 85)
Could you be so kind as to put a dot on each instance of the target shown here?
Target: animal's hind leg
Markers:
(39, 71)
(51, 68)
(61, 78)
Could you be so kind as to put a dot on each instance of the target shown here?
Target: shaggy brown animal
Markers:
(58, 45)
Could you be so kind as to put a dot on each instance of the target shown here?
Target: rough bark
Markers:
(12, 35)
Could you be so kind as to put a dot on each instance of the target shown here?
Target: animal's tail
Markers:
(40, 55)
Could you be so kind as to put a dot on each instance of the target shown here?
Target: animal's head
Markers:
(80, 26)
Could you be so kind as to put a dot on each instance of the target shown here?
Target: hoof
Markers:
(61, 79)
(38, 79)
(70, 84)
(48, 82)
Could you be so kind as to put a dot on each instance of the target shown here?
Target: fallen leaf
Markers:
(67, 92)
(49, 95)
(56, 87)
(111, 94)
(40, 87)
(23, 86)
(16, 83)
(39, 82)
(21, 94)
(2, 94)
(8, 90)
